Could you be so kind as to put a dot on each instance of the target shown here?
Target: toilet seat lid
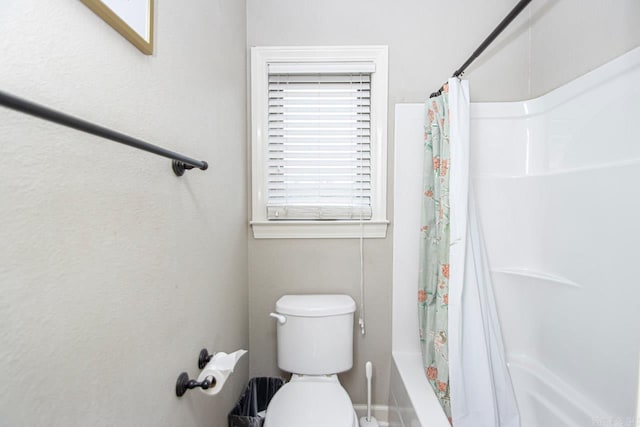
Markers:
(311, 404)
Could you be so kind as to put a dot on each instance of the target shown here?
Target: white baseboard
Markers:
(380, 412)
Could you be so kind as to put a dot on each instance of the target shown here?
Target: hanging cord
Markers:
(361, 319)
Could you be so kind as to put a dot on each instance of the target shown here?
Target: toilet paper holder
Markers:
(216, 369)
(184, 383)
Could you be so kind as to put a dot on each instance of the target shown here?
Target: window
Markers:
(319, 125)
(319, 146)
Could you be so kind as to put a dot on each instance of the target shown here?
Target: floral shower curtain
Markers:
(474, 387)
(433, 288)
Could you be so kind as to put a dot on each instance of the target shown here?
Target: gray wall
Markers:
(552, 42)
(114, 272)
(571, 37)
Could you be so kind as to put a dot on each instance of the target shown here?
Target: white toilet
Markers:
(315, 342)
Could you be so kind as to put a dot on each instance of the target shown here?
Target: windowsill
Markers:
(318, 229)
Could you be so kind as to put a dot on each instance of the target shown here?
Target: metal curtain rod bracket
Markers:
(485, 44)
(180, 163)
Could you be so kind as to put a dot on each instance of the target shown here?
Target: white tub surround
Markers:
(555, 179)
(557, 183)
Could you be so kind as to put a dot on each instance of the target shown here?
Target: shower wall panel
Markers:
(557, 184)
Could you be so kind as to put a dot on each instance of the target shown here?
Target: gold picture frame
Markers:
(133, 19)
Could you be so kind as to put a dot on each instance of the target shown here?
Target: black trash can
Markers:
(249, 411)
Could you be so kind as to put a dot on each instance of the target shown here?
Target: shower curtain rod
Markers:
(179, 162)
(495, 33)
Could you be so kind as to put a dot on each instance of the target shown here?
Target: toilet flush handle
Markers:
(281, 319)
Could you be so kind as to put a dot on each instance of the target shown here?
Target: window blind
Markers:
(319, 146)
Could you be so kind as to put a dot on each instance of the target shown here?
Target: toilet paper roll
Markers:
(219, 368)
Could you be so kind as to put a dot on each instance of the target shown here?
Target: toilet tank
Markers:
(316, 337)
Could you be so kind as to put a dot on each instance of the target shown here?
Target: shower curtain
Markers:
(460, 334)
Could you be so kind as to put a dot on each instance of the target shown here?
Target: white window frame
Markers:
(261, 57)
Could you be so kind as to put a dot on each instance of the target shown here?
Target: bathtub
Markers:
(557, 180)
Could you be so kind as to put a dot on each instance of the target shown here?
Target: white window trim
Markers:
(376, 227)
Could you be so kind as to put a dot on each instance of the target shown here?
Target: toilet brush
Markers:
(369, 421)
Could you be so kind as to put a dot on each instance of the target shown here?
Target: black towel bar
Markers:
(180, 163)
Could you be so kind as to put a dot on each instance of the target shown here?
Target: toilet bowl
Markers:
(315, 343)
(311, 401)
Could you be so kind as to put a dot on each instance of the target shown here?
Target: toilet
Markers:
(315, 343)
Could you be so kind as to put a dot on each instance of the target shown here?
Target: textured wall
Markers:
(114, 272)
(424, 49)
